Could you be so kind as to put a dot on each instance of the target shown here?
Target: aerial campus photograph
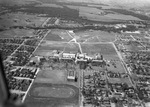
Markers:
(76, 53)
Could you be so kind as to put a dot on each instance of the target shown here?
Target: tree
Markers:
(83, 65)
(114, 100)
(124, 86)
(134, 77)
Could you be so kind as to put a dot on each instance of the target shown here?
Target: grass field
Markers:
(86, 9)
(58, 35)
(134, 48)
(108, 17)
(119, 67)
(46, 48)
(20, 19)
(96, 14)
(52, 98)
(55, 91)
(120, 80)
(16, 33)
(96, 36)
(110, 55)
(49, 5)
(92, 39)
(53, 37)
(71, 48)
(51, 76)
(104, 49)
(52, 89)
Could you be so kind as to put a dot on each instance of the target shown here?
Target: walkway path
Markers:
(75, 41)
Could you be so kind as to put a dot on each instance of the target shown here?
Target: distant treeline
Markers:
(71, 3)
(103, 28)
(107, 29)
(126, 12)
(64, 13)
(2, 30)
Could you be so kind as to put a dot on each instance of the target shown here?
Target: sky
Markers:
(114, 2)
(118, 2)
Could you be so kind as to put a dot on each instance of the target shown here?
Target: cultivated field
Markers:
(20, 19)
(96, 14)
(14, 24)
(16, 33)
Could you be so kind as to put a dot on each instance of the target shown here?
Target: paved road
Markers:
(38, 69)
(130, 78)
(75, 41)
(32, 80)
(29, 87)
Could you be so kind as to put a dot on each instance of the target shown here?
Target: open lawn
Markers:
(104, 49)
(53, 37)
(71, 48)
(95, 36)
(54, 73)
(52, 89)
(58, 35)
(51, 76)
(133, 48)
(120, 80)
(119, 67)
(92, 39)
(47, 47)
(55, 91)
(107, 50)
